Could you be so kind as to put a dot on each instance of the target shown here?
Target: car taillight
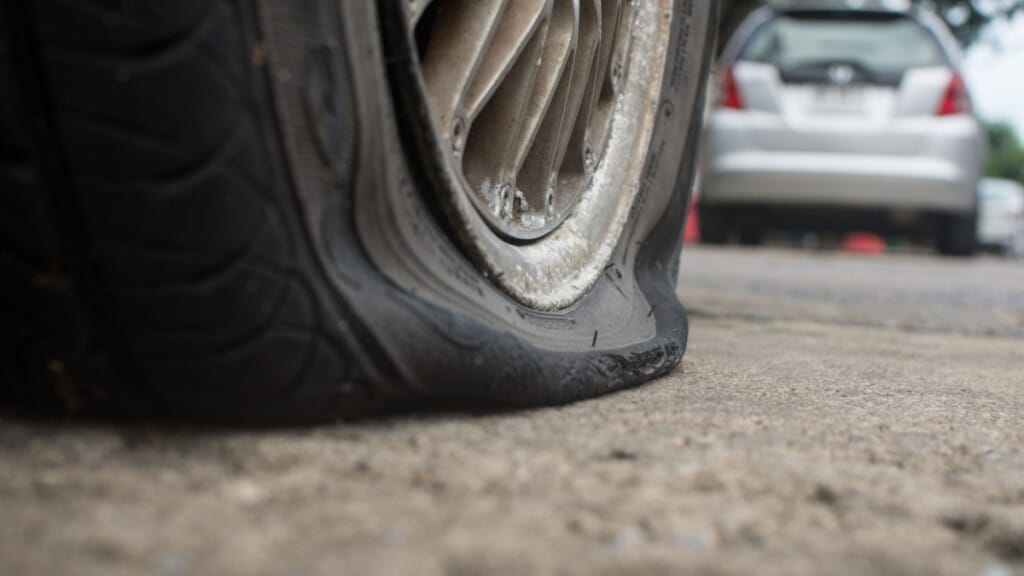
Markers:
(955, 100)
(730, 96)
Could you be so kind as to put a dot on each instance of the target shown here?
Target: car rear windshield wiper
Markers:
(840, 72)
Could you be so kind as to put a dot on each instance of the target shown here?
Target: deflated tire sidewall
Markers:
(446, 328)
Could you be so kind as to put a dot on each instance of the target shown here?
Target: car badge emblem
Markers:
(841, 74)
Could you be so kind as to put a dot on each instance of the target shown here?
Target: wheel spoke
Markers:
(461, 34)
(415, 8)
(487, 163)
(591, 128)
(539, 176)
(547, 99)
(587, 55)
(614, 73)
(518, 26)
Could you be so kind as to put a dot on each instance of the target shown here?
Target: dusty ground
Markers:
(865, 417)
(983, 296)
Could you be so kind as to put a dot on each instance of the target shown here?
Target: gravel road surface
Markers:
(833, 414)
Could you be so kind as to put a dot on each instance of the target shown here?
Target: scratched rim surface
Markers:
(543, 110)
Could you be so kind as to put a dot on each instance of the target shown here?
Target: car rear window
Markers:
(1000, 191)
(886, 45)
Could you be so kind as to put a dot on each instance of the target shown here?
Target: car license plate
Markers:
(840, 98)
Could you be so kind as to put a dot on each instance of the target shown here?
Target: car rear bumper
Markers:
(820, 179)
(914, 164)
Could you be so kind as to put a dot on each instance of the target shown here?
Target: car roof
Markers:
(865, 9)
(893, 6)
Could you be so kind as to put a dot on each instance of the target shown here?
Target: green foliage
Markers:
(1006, 155)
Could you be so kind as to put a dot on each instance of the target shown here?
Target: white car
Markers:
(1001, 216)
(842, 119)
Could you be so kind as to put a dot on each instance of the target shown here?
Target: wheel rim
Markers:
(542, 111)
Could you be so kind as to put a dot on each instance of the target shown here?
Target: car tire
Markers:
(714, 225)
(221, 211)
(751, 234)
(958, 235)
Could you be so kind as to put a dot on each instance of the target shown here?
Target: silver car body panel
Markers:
(1001, 215)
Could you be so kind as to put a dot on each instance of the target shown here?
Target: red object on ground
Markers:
(692, 234)
(864, 243)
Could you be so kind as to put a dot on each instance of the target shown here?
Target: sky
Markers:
(994, 71)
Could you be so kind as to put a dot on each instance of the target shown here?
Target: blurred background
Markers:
(868, 126)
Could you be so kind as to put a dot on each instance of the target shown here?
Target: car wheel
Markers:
(751, 233)
(275, 211)
(958, 235)
(714, 225)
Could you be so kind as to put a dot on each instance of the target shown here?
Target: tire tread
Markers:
(162, 122)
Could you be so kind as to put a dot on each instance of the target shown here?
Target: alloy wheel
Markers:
(542, 111)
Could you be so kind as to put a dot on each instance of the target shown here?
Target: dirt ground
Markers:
(809, 430)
